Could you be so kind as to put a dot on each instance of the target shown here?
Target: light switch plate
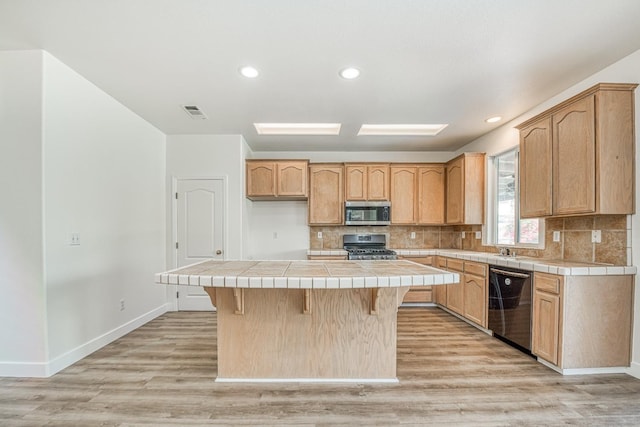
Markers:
(464, 234)
(478, 235)
(413, 234)
(596, 236)
(319, 234)
(556, 236)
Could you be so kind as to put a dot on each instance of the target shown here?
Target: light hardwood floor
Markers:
(450, 374)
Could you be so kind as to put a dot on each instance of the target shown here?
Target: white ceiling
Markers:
(422, 61)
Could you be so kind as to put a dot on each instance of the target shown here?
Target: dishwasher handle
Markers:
(510, 273)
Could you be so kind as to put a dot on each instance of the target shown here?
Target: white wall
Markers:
(75, 161)
(22, 306)
(626, 70)
(103, 178)
(208, 156)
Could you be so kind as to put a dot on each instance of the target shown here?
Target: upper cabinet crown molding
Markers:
(577, 158)
(276, 179)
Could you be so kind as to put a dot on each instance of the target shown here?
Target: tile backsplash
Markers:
(574, 245)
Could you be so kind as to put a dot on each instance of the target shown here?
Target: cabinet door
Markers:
(261, 179)
(475, 299)
(455, 191)
(536, 170)
(546, 326)
(356, 182)
(431, 194)
(378, 182)
(292, 178)
(326, 186)
(574, 166)
(403, 190)
(455, 296)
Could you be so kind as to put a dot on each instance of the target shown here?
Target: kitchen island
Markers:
(307, 320)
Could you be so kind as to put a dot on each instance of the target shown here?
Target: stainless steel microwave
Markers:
(367, 213)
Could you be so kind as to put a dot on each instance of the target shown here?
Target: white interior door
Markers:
(199, 232)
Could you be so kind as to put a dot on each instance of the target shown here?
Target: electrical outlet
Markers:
(319, 234)
(413, 234)
(74, 239)
(478, 235)
(596, 236)
(556, 236)
(464, 235)
(121, 305)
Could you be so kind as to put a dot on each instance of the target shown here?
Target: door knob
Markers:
(218, 252)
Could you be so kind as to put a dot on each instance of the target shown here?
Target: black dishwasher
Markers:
(510, 296)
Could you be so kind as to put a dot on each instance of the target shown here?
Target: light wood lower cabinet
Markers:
(546, 320)
(582, 322)
(476, 293)
(420, 293)
(440, 292)
(469, 297)
(455, 292)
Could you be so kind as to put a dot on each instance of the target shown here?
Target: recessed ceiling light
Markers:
(249, 72)
(401, 130)
(493, 119)
(297, 128)
(349, 73)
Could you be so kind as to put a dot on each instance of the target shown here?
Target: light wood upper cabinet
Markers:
(592, 155)
(465, 189)
(367, 182)
(574, 163)
(417, 194)
(536, 170)
(326, 194)
(403, 194)
(276, 179)
(430, 190)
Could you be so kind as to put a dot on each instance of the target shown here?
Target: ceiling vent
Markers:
(194, 112)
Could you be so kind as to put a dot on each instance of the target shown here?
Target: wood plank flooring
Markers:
(162, 374)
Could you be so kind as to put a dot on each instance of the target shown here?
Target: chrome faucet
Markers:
(506, 252)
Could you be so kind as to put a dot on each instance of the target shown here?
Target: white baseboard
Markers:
(634, 370)
(310, 380)
(47, 369)
(585, 371)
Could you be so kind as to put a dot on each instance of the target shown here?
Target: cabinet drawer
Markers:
(455, 264)
(475, 268)
(442, 262)
(547, 283)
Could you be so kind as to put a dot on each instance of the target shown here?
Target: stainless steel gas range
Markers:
(367, 247)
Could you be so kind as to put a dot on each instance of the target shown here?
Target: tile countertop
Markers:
(335, 274)
(563, 268)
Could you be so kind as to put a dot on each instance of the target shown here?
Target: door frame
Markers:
(172, 299)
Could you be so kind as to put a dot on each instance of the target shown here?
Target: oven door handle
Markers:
(510, 273)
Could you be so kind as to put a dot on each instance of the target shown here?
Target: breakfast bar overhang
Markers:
(307, 320)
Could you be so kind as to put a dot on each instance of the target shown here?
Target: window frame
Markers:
(492, 215)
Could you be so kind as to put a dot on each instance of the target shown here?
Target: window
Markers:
(508, 228)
